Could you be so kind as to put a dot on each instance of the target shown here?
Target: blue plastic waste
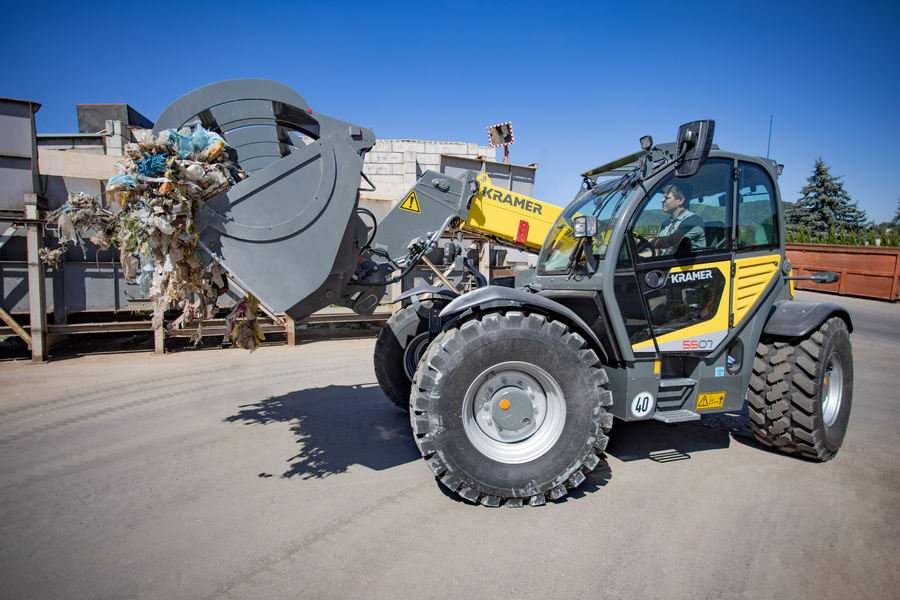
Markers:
(152, 165)
(117, 179)
(199, 139)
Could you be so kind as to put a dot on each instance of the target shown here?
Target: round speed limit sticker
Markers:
(642, 405)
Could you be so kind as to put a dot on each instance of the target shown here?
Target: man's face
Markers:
(671, 204)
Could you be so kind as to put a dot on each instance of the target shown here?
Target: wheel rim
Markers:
(833, 389)
(413, 354)
(510, 394)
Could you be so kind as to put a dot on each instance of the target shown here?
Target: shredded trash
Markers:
(241, 326)
(161, 182)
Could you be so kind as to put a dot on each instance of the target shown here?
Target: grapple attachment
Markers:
(289, 233)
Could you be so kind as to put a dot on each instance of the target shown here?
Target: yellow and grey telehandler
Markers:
(635, 311)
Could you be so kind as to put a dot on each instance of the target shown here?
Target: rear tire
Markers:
(554, 392)
(801, 392)
(400, 345)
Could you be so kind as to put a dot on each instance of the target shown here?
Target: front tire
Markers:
(510, 407)
(400, 345)
(801, 392)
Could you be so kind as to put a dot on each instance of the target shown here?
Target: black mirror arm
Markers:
(823, 277)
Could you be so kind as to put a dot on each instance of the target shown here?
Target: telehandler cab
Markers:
(661, 292)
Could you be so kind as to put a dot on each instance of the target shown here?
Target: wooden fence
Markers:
(870, 272)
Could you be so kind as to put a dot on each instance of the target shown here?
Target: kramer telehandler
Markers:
(636, 310)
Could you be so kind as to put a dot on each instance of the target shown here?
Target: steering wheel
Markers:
(642, 244)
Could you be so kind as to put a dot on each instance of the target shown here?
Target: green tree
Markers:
(873, 241)
(832, 237)
(897, 216)
(852, 240)
(825, 204)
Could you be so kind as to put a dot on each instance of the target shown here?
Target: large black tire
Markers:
(399, 348)
(542, 368)
(802, 390)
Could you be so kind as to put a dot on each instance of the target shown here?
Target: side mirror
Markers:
(826, 277)
(693, 144)
(821, 277)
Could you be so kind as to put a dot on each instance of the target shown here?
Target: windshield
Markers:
(603, 201)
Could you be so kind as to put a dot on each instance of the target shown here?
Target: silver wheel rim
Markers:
(519, 380)
(833, 389)
(413, 354)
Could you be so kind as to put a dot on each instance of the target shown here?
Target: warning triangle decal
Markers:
(703, 402)
(411, 203)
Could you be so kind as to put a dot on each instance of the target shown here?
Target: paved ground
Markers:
(286, 474)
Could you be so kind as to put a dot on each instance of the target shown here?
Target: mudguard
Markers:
(499, 295)
(789, 318)
(425, 289)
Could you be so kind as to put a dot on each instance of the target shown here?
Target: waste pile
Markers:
(161, 181)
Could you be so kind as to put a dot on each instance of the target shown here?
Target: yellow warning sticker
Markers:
(411, 203)
(713, 400)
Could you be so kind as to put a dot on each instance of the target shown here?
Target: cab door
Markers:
(757, 255)
(684, 290)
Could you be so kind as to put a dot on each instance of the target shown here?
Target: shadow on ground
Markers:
(337, 426)
(665, 443)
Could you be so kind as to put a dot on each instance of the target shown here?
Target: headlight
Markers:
(585, 226)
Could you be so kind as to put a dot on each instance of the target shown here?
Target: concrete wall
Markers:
(81, 162)
(394, 166)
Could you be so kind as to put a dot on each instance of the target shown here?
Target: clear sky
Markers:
(580, 81)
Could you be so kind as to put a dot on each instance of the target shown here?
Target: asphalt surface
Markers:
(286, 474)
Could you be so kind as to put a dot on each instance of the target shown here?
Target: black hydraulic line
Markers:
(480, 280)
(411, 266)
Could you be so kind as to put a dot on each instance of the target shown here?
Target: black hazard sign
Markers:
(411, 203)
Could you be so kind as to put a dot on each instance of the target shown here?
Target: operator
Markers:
(682, 224)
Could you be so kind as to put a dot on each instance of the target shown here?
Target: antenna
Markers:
(770, 135)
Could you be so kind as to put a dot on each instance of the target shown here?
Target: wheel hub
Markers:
(512, 409)
(413, 354)
(509, 405)
(833, 382)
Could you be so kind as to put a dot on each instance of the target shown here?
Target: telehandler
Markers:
(637, 309)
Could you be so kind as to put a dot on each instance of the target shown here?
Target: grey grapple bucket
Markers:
(288, 233)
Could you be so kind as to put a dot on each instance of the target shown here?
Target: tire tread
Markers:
(426, 391)
(784, 396)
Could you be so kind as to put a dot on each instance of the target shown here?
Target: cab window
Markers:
(757, 213)
(686, 216)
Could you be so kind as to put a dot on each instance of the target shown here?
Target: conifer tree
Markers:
(873, 241)
(825, 204)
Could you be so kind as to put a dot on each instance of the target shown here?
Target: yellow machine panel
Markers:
(752, 275)
(509, 216)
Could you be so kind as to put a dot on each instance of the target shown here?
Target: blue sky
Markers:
(580, 81)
